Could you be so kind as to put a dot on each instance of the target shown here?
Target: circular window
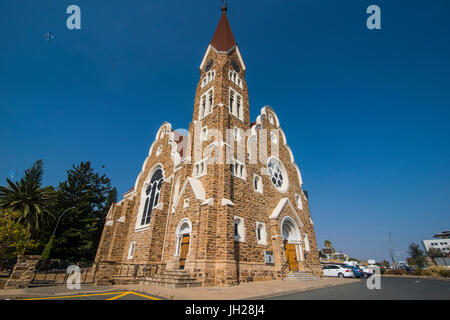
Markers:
(277, 174)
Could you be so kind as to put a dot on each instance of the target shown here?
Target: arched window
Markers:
(152, 193)
(261, 235)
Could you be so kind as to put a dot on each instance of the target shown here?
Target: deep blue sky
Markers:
(366, 113)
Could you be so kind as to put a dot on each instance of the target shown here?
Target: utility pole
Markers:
(391, 251)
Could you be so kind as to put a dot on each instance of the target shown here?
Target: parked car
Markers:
(405, 268)
(334, 270)
(356, 270)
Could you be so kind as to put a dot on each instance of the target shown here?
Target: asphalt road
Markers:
(122, 295)
(392, 288)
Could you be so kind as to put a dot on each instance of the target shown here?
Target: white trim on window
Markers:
(204, 133)
(261, 233)
(298, 201)
(236, 104)
(306, 240)
(234, 77)
(257, 183)
(131, 250)
(200, 168)
(210, 76)
(238, 169)
(206, 103)
(239, 229)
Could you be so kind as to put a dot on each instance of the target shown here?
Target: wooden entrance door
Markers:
(291, 256)
(184, 249)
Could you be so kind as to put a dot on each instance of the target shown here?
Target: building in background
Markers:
(441, 241)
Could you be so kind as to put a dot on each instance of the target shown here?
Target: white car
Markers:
(369, 270)
(334, 270)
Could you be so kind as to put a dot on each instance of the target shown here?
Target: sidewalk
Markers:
(249, 291)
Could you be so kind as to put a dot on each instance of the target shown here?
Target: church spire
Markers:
(223, 39)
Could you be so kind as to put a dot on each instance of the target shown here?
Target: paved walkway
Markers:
(253, 290)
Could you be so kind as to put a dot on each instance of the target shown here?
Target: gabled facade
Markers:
(219, 204)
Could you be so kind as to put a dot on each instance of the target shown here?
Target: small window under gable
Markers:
(257, 183)
(186, 203)
(239, 229)
(131, 250)
(159, 150)
(298, 201)
(200, 168)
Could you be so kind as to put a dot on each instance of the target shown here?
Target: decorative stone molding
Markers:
(226, 202)
(208, 202)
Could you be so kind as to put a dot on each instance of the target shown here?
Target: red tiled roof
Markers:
(223, 39)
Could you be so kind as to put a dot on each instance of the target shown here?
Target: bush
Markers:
(396, 272)
(439, 271)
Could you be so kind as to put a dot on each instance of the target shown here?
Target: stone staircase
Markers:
(173, 279)
(300, 276)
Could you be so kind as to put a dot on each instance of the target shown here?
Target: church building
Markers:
(223, 204)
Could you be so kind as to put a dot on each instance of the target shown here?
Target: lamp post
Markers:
(46, 253)
(59, 219)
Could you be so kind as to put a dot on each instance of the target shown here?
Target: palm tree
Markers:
(327, 244)
(31, 203)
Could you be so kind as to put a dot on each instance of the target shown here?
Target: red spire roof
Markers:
(223, 39)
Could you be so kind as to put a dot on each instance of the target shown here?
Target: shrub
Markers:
(440, 271)
(396, 272)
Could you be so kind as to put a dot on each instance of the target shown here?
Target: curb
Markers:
(420, 277)
(282, 293)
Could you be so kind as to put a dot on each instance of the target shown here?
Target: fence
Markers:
(136, 271)
(54, 272)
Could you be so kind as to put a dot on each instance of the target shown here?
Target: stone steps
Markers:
(300, 276)
(173, 279)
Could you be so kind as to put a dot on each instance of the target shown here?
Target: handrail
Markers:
(283, 269)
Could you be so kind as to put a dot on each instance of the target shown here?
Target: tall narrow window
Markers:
(152, 195)
(203, 107)
(210, 100)
(231, 101)
(238, 107)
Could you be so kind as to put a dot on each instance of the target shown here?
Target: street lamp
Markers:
(48, 247)
(59, 219)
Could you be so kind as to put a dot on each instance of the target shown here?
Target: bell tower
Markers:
(221, 99)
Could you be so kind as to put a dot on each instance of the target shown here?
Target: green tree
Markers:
(328, 244)
(417, 256)
(34, 174)
(32, 203)
(91, 196)
(14, 237)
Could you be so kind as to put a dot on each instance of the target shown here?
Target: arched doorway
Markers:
(184, 230)
(291, 240)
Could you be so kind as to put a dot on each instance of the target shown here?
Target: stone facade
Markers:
(205, 206)
(23, 272)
